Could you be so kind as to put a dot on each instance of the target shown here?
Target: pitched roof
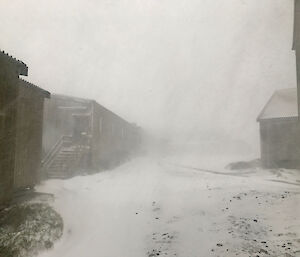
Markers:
(71, 98)
(85, 100)
(282, 104)
(45, 93)
(20, 66)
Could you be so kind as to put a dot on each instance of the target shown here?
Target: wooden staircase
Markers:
(63, 161)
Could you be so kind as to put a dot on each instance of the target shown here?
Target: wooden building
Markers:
(279, 121)
(21, 110)
(296, 44)
(80, 135)
(29, 136)
(280, 131)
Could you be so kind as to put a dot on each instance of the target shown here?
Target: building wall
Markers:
(8, 98)
(280, 143)
(296, 38)
(109, 137)
(105, 134)
(113, 138)
(58, 118)
(296, 44)
(28, 136)
(297, 52)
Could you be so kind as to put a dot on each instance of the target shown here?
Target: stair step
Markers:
(59, 164)
(60, 167)
(65, 156)
(57, 169)
(63, 162)
(57, 176)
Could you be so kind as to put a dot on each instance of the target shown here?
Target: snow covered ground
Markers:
(170, 207)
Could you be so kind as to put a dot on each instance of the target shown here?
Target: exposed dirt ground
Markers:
(27, 228)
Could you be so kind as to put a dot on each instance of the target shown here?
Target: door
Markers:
(81, 125)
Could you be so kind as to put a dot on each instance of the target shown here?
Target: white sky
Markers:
(192, 69)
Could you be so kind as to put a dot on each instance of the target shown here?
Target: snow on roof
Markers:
(282, 104)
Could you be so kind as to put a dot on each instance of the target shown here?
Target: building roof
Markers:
(71, 98)
(282, 104)
(45, 93)
(21, 67)
(85, 100)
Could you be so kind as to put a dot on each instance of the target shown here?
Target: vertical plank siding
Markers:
(8, 112)
(28, 137)
(280, 143)
(109, 137)
(21, 121)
